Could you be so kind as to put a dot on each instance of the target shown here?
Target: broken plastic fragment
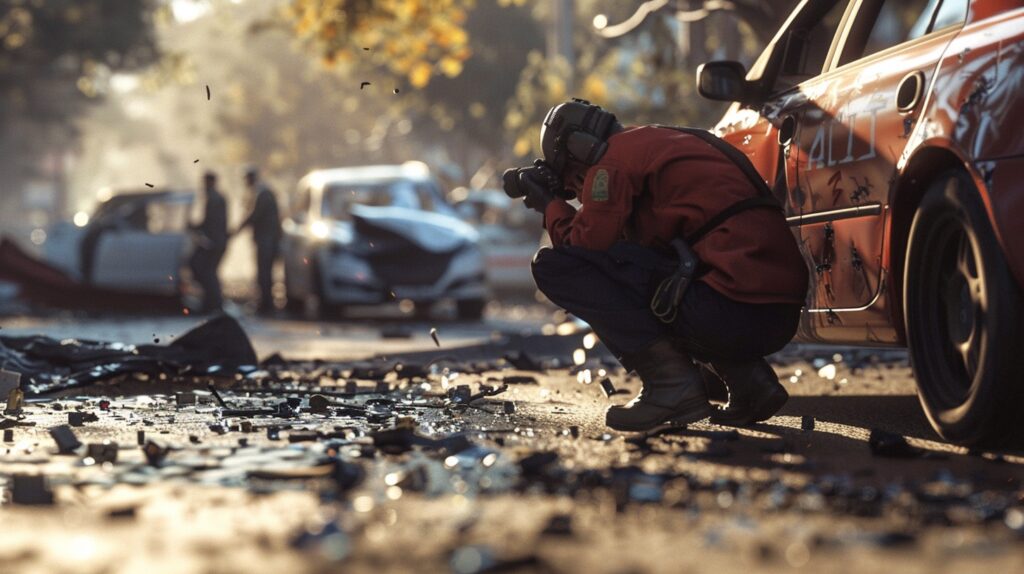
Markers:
(65, 438)
(30, 489)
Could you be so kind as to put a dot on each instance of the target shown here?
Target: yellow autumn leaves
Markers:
(418, 39)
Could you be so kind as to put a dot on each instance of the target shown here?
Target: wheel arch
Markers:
(926, 165)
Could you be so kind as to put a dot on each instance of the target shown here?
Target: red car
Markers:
(888, 129)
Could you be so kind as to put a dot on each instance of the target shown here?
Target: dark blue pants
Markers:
(612, 290)
(204, 264)
(266, 254)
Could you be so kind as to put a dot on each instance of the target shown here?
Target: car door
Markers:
(145, 250)
(851, 128)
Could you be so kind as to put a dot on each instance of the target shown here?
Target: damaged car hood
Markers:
(432, 232)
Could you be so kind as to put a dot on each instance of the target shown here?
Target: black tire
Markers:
(470, 309)
(963, 318)
(325, 309)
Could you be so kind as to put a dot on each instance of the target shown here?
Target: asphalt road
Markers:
(802, 492)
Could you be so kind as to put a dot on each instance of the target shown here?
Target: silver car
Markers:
(375, 234)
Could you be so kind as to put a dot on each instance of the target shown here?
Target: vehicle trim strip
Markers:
(865, 210)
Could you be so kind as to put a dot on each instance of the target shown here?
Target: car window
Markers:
(808, 43)
(898, 21)
(951, 12)
(164, 216)
(340, 197)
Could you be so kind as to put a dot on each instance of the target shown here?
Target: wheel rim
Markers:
(954, 293)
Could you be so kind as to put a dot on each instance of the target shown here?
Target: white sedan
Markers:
(134, 241)
(375, 234)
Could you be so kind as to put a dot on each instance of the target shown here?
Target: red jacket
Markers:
(753, 256)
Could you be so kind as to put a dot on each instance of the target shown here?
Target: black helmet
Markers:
(576, 130)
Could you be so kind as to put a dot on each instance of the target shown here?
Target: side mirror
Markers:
(723, 80)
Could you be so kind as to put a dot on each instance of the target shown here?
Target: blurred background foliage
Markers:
(100, 94)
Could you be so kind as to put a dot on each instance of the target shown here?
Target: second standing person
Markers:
(265, 221)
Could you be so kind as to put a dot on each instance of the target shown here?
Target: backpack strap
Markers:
(764, 199)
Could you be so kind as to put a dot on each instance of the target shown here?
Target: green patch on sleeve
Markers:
(599, 188)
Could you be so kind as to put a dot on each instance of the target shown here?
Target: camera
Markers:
(515, 181)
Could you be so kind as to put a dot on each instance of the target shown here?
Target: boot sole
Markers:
(771, 404)
(670, 420)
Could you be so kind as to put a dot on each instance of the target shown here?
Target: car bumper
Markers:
(349, 279)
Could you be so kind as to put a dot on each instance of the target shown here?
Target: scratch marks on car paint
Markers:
(861, 191)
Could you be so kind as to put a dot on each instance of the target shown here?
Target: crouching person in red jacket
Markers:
(678, 258)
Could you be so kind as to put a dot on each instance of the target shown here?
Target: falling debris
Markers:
(396, 90)
(607, 387)
(207, 92)
(807, 423)
(433, 335)
(364, 84)
(150, 185)
(196, 161)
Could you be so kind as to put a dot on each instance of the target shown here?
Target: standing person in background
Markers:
(265, 221)
(210, 238)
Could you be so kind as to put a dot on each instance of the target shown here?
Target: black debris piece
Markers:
(123, 512)
(433, 335)
(65, 438)
(807, 423)
(140, 437)
(508, 407)
(217, 346)
(207, 92)
(396, 90)
(155, 453)
(8, 435)
(519, 380)
(302, 436)
(460, 394)
(105, 451)
(196, 161)
(319, 404)
(216, 395)
(150, 185)
(574, 431)
(76, 418)
(891, 445)
(559, 525)
(382, 388)
(364, 84)
(30, 489)
(185, 399)
(607, 387)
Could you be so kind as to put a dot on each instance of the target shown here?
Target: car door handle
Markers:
(908, 94)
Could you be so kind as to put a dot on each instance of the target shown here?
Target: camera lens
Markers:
(510, 183)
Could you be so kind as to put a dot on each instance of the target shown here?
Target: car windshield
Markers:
(340, 197)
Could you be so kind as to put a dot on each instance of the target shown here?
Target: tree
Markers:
(54, 56)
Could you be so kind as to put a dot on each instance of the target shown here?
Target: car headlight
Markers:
(319, 229)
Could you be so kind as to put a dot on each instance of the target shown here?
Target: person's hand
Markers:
(541, 185)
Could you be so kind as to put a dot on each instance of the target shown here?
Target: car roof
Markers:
(412, 170)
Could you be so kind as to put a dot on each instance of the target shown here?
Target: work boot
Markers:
(672, 394)
(755, 394)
